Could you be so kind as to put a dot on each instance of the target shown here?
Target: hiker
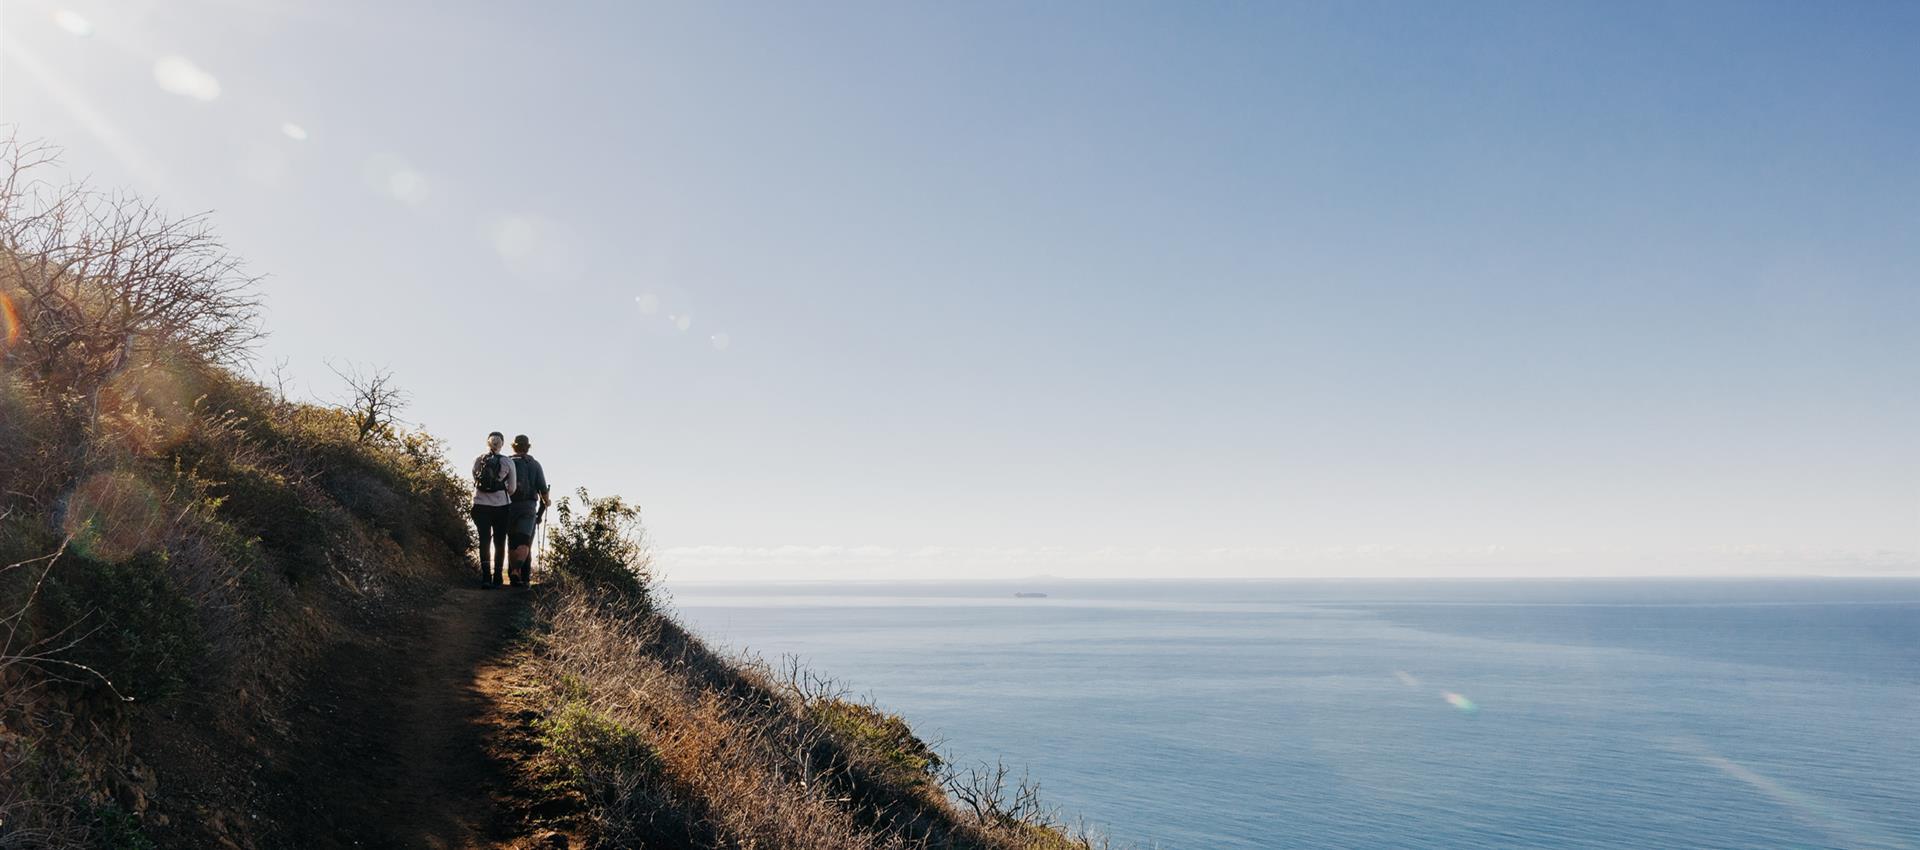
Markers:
(493, 482)
(529, 505)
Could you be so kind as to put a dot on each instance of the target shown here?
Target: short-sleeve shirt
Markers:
(531, 479)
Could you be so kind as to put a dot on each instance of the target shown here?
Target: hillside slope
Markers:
(232, 619)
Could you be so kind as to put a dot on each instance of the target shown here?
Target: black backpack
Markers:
(522, 478)
(491, 477)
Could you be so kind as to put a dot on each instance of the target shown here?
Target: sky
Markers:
(994, 290)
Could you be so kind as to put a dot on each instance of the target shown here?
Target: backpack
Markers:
(491, 477)
(522, 478)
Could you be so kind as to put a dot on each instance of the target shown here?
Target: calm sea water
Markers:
(1618, 714)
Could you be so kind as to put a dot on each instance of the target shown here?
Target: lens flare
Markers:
(152, 407)
(391, 175)
(720, 341)
(408, 186)
(1848, 827)
(293, 131)
(538, 248)
(1458, 701)
(112, 516)
(90, 117)
(9, 322)
(516, 238)
(178, 74)
(73, 22)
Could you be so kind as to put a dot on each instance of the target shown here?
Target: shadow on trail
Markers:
(387, 747)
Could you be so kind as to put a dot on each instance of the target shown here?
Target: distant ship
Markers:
(1024, 595)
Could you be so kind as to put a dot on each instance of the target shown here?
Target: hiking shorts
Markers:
(524, 516)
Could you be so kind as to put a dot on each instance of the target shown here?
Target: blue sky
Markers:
(1082, 289)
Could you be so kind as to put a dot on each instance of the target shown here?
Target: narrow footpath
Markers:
(394, 739)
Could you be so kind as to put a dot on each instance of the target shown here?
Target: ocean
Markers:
(1395, 714)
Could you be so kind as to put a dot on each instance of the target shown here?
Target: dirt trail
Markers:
(390, 745)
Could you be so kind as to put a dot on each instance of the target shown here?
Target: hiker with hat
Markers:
(494, 481)
(528, 506)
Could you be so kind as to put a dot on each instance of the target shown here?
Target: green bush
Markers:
(599, 545)
(130, 623)
(268, 506)
(441, 497)
(110, 827)
(587, 750)
(882, 736)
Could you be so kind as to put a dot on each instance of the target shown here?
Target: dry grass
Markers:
(662, 743)
(714, 777)
(172, 527)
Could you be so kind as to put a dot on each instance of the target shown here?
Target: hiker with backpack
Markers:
(529, 504)
(493, 484)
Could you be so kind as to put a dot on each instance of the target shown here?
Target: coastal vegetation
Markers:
(657, 740)
(209, 592)
(177, 541)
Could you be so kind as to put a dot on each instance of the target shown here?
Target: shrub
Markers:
(589, 750)
(269, 506)
(599, 545)
(396, 480)
(442, 496)
(30, 446)
(885, 737)
(610, 765)
(113, 828)
(130, 623)
(99, 282)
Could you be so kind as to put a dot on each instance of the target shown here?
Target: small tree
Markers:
(375, 401)
(97, 287)
(600, 544)
(99, 282)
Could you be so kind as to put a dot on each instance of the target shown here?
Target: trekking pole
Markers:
(539, 542)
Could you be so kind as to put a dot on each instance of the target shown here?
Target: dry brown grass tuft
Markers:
(717, 774)
(661, 742)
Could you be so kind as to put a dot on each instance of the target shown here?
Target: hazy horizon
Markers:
(869, 291)
(1704, 578)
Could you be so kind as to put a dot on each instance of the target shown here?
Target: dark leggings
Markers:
(520, 564)
(491, 520)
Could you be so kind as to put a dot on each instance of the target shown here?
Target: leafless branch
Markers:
(375, 400)
(41, 651)
(101, 282)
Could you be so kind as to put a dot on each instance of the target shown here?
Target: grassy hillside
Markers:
(175, 539)
(647, 738)
(183, 551)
